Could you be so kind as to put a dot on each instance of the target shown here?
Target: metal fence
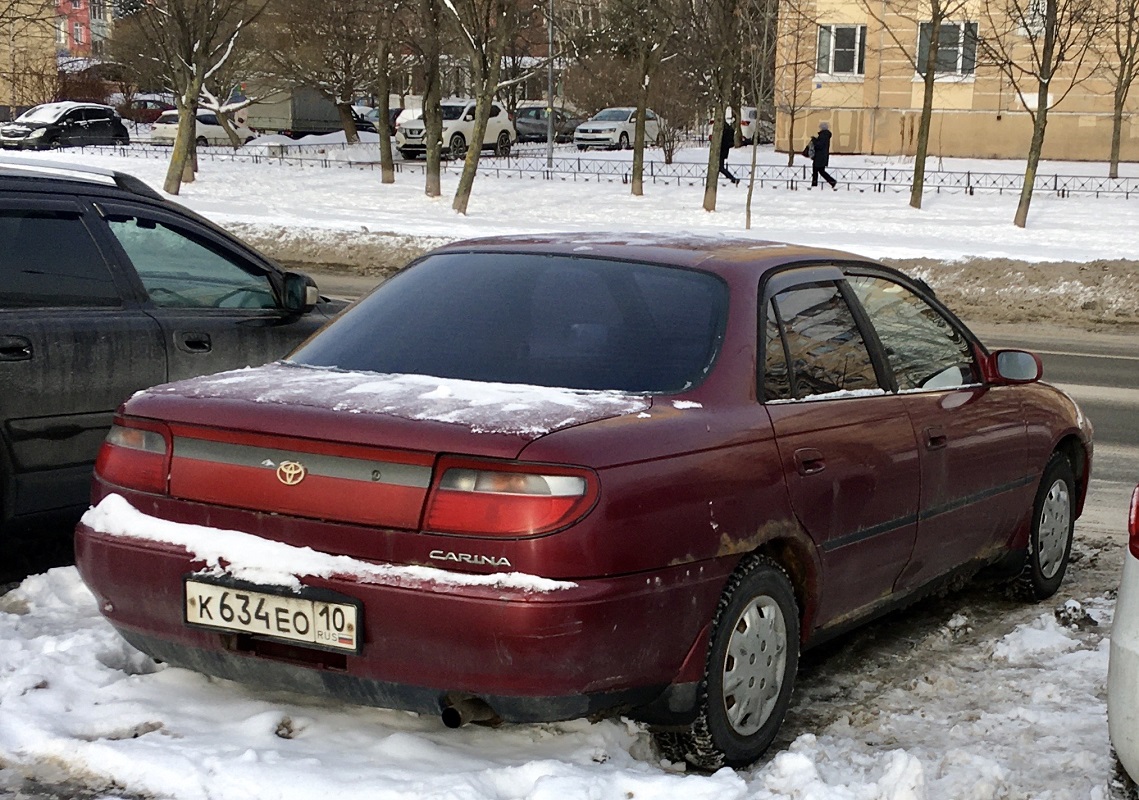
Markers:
(530, 161)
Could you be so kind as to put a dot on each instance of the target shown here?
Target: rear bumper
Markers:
(615, 644)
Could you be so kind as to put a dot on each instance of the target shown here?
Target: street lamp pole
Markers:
(550, 89)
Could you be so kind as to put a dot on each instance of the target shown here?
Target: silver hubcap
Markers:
(754, 665)
(1055, 525)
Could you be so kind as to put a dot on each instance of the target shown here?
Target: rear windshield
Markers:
(168, 117)
(572, 322)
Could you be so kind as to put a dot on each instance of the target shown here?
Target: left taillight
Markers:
(506, 499)
(136, 455)
(1133, 524)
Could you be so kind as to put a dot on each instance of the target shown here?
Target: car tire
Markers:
(581, 147)
(741, 705)
(502, 146)
(1119, 783)
(457, 147)
(1050, 537)
(623, 141)
(202, 141)
(120, 141)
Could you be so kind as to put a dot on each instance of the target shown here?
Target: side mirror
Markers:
(301, 293)
(1017, 366)
(470, 115)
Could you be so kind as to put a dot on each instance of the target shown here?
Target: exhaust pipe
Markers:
(459, 711)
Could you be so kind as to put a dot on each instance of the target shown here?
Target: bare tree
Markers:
(335, 51)
(28, 67)
(794, 65)
(191, 40)
(760, 23)
(714, 34)
(1122, 66)
(937, 22)
(646, 33)
(1041, 47)
(485, 26)
(425, 38)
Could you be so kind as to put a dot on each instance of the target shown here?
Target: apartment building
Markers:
(859, 65)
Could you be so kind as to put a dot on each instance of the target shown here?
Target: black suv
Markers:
(107, 288)
(64, 124)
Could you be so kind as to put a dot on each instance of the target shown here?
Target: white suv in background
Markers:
(458, 131)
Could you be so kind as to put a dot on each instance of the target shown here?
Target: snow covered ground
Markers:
(971, 697)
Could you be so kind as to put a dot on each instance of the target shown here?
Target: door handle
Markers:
(809, 461)
(935, 438)
(15, 348)
(194, 342)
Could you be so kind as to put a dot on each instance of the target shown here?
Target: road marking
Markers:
(1084, 355)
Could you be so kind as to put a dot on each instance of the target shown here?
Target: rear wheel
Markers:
(458, 147)
(749, 674)
(201, 141)
(502, 146)
(1050, 540)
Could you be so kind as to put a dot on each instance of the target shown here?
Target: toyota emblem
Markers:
(291, 473)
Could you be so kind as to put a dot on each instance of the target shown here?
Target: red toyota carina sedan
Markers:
(531, 479)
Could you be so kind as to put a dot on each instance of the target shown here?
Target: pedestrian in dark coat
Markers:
(821, 156)
(727, 139)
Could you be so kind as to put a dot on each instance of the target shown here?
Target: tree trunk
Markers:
(791, 140)
(183, 141)
(1116, 128)
(638, 177)
(432, 95)
(917, 186)
(383, 88)
(712, 180)
(474, 147)
(223, 121)
(348, 122)
(1038, 126)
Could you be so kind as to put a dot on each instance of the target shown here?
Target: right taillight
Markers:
(488, 498)
(136, 455)
(1133, 524)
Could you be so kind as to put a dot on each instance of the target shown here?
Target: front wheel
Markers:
(202, 141)
(749, 674)
(623, 142)
(1050, 540)
(502, 146)
(458, 147)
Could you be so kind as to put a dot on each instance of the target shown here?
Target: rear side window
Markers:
(578, 323)
(49, 259)
(815, 346)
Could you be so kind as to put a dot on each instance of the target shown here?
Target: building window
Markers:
(842, 50)
(61, 32)
(956, 48)
(77, 33)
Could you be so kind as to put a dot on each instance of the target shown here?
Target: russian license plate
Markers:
(330, 625)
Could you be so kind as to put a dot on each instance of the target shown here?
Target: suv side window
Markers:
(49, 260)
(925, 351)
(495, 111)
(208, 119)
(178, 270)
(816, 346)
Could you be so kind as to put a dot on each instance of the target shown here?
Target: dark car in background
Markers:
(144, 110)
(539, 478)
(107, 288)
(532, 124)
(64, 124)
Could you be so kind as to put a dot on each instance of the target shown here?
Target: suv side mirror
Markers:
(301, 293)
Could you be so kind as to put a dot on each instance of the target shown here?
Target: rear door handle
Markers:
(935, 438)
(15, 348)
(194, 342)
(809, 461)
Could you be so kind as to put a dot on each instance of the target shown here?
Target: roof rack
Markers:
(35, 166)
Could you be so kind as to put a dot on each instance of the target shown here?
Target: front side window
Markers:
(49, 260)
(956, 48)
(822, 347)
(842, 50)
(540, 320)
(924, 350)
(179, 271)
